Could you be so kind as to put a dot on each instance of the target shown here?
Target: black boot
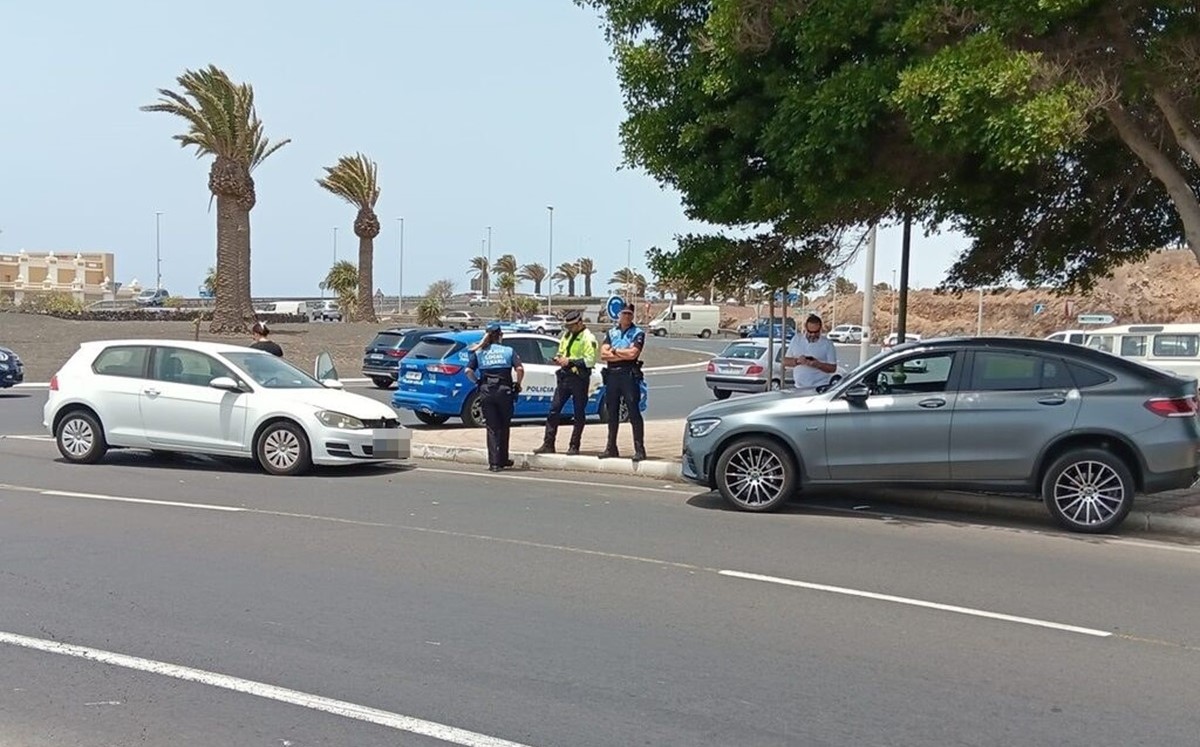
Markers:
(610, 452)
(639, 452)
(545, 448)
(573, 450)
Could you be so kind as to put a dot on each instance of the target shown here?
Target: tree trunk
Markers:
(366, 280)
(537, 287)
(587, 286)
(227, 317)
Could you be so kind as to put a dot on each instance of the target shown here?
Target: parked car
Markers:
(1082, 429)
(478, 300)
(545, 324)
(381, 357)
(846, 333)
(461, 320)
(742, 367)
(686, 319)
(1073, 336)
(326, 310)
(12, 371)
(894, 339)
(211, 398)
(151, 297)
(433, 382)
(763, 327)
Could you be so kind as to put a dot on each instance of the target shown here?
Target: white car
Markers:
(210, 398)
(545, 324)
(846, 333)
(894, 338)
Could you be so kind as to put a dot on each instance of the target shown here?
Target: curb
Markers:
(655, 469)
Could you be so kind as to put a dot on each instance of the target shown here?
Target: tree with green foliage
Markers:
(222, 122)
(567, 271)
(442, 290)
(1060, 137)
(355, 179)
(481, 273)
(342, 280)
(535, 273)
(586, 268)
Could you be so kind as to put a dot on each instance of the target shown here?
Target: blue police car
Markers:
(432, 380)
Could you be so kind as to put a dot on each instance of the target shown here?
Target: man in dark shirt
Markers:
(261, 342)
(621, 351)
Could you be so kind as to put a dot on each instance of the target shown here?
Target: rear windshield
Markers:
(386, 340)
(744, 352)
(434, 348)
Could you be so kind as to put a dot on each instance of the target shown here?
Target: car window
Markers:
(1101, 342)
(1133, 346)
(744, 352)
(526, 349)
(1176, 346)
(1016, 372)
(181, 366)
(918, 374)
(549, 350)
(386, 340)
(272, 372)
(123, 360)
(434, 348)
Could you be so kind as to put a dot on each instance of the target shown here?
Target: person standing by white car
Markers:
(812, 355)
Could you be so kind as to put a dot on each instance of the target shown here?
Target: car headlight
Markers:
(702, 427)
(3, 356)
(338, 420)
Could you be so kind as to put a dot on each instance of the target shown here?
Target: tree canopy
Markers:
(1059, 137)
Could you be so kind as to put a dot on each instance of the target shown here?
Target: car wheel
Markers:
(660, 333)
(382, 382)
(472, 412)
(776, 385)
(431, 418)
(705, 334)
(282, 449)
(756, 474)
(1088, 490)
(721, 393)
(80, 438)
(541, 330)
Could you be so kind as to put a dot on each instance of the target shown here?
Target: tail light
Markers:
(1172, 407)
(397, 353)
(755, 369)
(444, 368)
(54, 383)
(712, 368)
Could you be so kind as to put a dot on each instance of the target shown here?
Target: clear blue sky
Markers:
(479, 113)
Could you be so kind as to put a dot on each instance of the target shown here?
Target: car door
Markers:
(1011, 405)
(180, 410)
(901, 432)
(537, 389)
(122, 373)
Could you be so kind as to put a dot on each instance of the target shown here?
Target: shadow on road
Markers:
(14, 395)
(142, 460)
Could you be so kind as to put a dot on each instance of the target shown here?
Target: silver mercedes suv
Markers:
(1083, 429)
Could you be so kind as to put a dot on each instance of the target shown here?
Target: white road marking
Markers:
(918, 603)
(123, 499)
(396, 721)
(656, 387)
(28, 438)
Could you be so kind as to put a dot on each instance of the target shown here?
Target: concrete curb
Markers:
(967, 503)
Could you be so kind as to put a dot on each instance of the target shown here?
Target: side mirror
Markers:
(324, 369)
(332, 384)
(226, 383)
(857, 393)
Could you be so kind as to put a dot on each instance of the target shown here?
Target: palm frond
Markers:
(355, 179)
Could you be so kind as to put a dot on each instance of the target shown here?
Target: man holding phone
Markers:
(812, 355)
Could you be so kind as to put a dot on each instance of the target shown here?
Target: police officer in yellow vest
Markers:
(576, 357)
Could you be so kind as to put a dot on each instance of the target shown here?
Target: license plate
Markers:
(412, 375)
(391, 444)
(376, 356)
(728, 369)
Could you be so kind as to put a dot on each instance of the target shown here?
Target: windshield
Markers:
(271, 372)
(743, 352)
(434, 348)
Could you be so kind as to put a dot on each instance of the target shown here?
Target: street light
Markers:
(550, 290)
(335, 245)
(400, 297)
(157, 252)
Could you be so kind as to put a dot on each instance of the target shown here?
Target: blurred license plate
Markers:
(729, 369)
(376, 356)
(391, 444)
(412, 375)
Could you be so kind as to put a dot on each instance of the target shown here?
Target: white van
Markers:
(686, 319)
(296, 308)
(1072, 336)
(1171, 347)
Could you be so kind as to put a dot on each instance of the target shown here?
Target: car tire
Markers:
(705, 334)
(541, 330)
(722, 393)
(80, 437)
(472, 412)
(1088, 490)
(382, 382)
(660, 333)
(776, 385)
(431, 418)
(282, 448)
(756, 474)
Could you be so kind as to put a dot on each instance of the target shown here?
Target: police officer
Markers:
(622, 350)
(576, 357)
(492, 365)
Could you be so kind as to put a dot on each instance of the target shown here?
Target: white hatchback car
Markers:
(210, 398)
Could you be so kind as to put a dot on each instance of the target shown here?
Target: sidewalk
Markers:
(1176, 512)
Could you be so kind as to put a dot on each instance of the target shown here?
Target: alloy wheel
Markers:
(755, 476)
(77, 437)
(1089, 492)
(282, 449)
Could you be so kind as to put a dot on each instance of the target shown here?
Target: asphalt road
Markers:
(351, 607)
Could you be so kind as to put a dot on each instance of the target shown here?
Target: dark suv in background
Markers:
(381, 358)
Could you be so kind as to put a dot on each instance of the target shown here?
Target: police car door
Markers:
(538, 387)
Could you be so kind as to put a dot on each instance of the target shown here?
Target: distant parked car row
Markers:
(12, 371)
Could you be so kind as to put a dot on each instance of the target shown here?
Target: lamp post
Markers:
(157, 252)
(400, 297)
(335, 245)
(550, 294)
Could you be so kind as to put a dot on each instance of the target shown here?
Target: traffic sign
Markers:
(1038, 308)
(1096, 319)
(614, 306)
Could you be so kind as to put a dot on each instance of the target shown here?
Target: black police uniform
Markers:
(622, 381)
(494, 366)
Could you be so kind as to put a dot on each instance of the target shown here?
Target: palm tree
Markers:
(222, 122)
(536, 274)
(507, 285)
(567, 271)
(505, 265)
(210, 281)
(355, 180)
(343, 280)
(587, 268)
(429, 311)
(482, 272)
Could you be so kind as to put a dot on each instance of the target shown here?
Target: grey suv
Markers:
(1083, 429)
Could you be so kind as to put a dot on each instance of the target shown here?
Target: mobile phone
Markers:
(809, 358)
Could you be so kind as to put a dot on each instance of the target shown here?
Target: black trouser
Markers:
(497, 402)
(623, 385)
(573, 387)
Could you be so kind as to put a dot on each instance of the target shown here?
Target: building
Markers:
(87, 277)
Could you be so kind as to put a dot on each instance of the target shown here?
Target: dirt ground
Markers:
(44, 343)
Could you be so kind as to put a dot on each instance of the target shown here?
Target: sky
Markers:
(478, 112)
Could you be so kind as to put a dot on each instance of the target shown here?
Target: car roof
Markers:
(1037, 345)
(473, 335)
(199, 346)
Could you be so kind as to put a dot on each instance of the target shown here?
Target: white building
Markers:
(86, 276)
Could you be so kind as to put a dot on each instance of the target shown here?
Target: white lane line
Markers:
(27, 438)
(148, 501)
(396, 721)
(918, 603)
(656, 387)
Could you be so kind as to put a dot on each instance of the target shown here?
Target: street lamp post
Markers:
(335, 245)
(157, 252)
(550, 293)
(400, 297)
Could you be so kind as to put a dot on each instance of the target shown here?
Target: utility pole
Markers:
(550, 290)
(905, 252)
(335, 245)
(157, 252)
(868, 297)
(979, 320)
(892, 310)
(400, 296)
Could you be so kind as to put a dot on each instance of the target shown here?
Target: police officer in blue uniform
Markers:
(492, 366)
(622, 350)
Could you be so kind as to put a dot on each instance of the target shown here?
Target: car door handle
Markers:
(1052, 401)
(151, 392)
(930, 404)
